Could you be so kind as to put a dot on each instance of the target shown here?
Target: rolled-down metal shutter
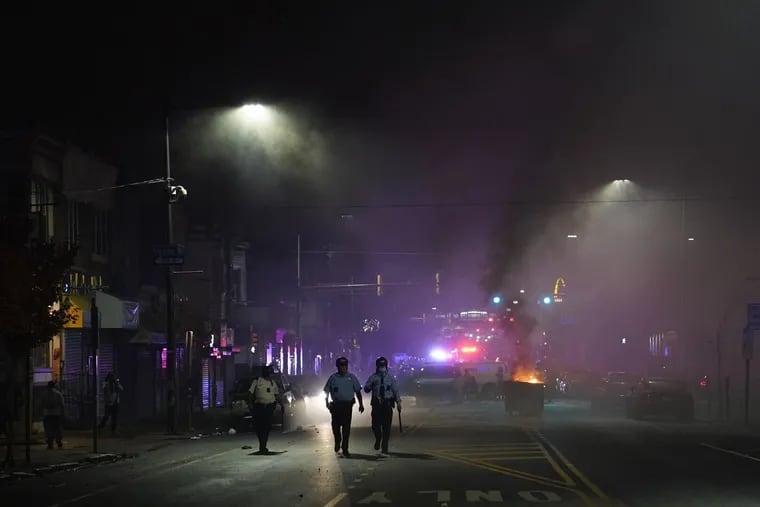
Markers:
(205, 383)
(73, 380)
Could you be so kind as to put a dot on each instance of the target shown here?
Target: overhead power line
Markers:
(508, 202)
(116, 187)
(363, 252)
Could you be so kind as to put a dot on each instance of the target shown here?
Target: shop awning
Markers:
(114, 313)
(145, 337)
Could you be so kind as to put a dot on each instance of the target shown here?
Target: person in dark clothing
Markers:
(112, 390)
(52, 411)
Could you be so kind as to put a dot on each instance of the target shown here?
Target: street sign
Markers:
(748, 343)
(753, 315)
(169, 255)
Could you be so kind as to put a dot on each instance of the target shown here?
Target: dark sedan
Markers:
(660, 397)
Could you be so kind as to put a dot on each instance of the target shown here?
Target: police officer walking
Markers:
(385, 396)
(264, 396)
(342, 387)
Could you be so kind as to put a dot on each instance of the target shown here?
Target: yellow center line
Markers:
(494, 451)
(521, 475)
(557, 468)
(512, 458)
(585, 480)
(517, 445)
(509, 471)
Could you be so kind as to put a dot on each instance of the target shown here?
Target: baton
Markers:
(400, 427)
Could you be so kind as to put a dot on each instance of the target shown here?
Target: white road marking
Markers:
(474, 495)
(729, 451)
(335, 501)
(441, 495)
(539, 496)
(375, 497)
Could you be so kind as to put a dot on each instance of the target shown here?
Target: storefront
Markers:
(68, 357)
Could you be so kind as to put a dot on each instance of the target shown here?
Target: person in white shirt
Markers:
(264, 397)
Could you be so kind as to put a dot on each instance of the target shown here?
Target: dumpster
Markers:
(524, 398)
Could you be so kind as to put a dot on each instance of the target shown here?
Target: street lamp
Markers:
(258, 114)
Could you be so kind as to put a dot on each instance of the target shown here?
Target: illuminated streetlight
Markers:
(691, 239)
(257, 112)
(572, 236)
(522, 291)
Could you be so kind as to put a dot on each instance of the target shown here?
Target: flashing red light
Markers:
(469, 349)
(511, 320)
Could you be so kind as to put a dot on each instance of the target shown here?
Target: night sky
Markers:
(430, 104)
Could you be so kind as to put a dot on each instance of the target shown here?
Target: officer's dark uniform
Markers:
(385, 396)
(342, 387)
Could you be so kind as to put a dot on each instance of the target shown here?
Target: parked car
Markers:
(613, 390)
(660, 397)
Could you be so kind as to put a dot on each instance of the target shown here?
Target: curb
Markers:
(97, 459)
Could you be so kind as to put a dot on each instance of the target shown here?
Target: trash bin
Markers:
(524, 398)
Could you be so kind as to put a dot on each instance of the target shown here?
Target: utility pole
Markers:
(189, 371)
(95, 330)
(299, 331)
(171, 342)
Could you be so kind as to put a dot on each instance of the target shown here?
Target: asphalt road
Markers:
(447, 455)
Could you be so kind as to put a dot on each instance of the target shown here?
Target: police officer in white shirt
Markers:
(264, 395)
(385, 396)
(342, 387)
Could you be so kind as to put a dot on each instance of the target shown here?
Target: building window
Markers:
(102, 238)
(41, 202)
(72, 223)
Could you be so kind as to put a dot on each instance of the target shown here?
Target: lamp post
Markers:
(171, 342)
(259, 114)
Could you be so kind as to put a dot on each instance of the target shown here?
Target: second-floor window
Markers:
(41, 201)
(72, 223)
(102, 235)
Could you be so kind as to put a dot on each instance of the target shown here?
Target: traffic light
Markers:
(511, 319)
(379, 285)
(437, 283)
(548, 300)
(496, 299)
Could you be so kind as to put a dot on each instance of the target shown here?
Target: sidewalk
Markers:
(78, 451)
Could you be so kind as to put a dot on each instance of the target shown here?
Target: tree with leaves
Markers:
(31, 308)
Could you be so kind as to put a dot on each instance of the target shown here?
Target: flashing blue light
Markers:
(496, 300)
(547, 300)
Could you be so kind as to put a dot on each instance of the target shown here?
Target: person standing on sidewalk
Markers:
(52, 411)
(385, 396)
(264, 397)
(342, 387)
(112, 390)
